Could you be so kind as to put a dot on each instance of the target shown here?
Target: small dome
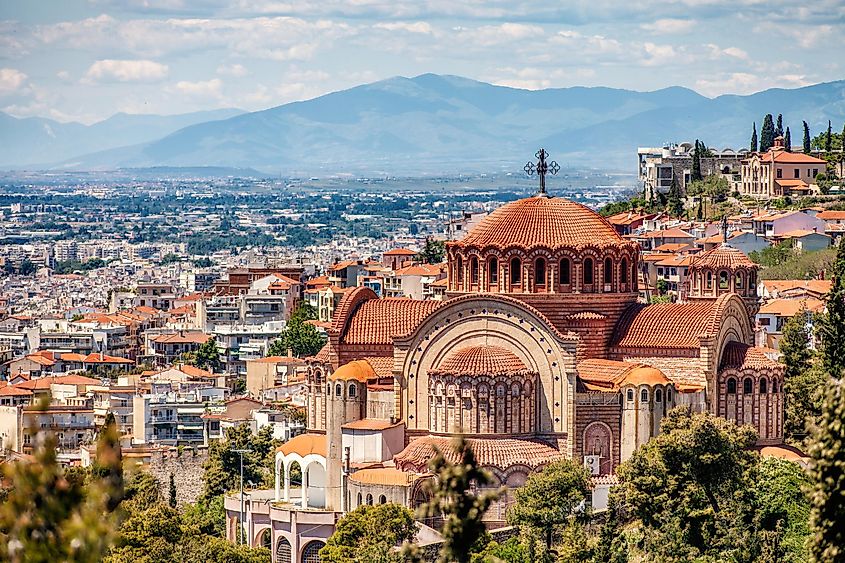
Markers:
(481, 360)
(358, 370)
(549, 222)
(644, 375)
(723, 256)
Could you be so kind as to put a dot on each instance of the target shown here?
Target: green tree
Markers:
(369, 534)
(832, 330)
(696, 163)
(690, 487)
(299, 337)
(806, 138)
(767, 133)
(674, 203)
(172, 491)
(222, 468)
(433, 252)
(787, 140)
(801, 382)
(453, 499)
(549, 498)
(779, 127)
(827, 473)
(27, 268)
(48, 517)
(828, 138)
(207, 356)
(754, 137)
(783, 506)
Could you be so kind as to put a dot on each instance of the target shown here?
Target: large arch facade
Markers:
(729, 322)
(487, 319)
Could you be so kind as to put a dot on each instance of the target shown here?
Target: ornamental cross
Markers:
(541, 169)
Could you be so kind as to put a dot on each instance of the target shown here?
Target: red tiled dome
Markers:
(723, 256)
(481, 360)
(550, 222)
(496, 452)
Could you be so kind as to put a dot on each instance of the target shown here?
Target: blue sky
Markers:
(85, 60)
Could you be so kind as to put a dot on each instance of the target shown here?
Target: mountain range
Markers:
(426, 124)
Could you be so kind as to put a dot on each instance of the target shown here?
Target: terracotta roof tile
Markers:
(663, 325)
(481, 360)
(383, 476)
(830, 215)
(495, 452)
(790, 307)
(742, 356)
(549, 222)
(724, 256)
(614, 374)
(377, 321)
(356, 370)
(45, 382)
(305, 444)
(685, 373)
(400, 252)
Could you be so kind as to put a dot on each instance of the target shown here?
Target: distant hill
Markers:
(433, 123)
(36, 140)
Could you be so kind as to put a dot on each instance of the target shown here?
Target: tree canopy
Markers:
(299, 337)
(368, 534)
(433, 252)
(802, 382)
(833, 325)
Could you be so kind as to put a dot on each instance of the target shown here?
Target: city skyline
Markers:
(86, 60)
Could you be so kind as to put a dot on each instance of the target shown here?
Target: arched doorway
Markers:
(311, 552)
(264, 539)
(283, 551)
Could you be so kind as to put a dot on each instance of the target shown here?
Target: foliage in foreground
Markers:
(368, 534)
(223, 466)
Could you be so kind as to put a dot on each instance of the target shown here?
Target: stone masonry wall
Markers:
(187, 472)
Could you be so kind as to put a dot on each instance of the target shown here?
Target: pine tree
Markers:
(172, 499)
(767, 133)
(696, 162)
(787, 140)
(828, 138)
(754, 137)
(807, 147)
(796, 354)
(827, 515)
(833, 326)
(779, 129)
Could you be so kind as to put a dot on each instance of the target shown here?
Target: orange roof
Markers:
(305, 444)
(103, 359)
(780, 286)
(667, 233)
(482, 359)
(723, 256)
(193, 371)
(550, 222)
(614, 374)
(790, 307)
(798, 233)
(383, 476)
(741, 356)
(45, 382)
(496, 452)
(792, 183)
(625, 218)
(671, 247)
(783, 157)
(830, 215)
(664, 325)
(400, 252)
(14, 391)
(377, 321)
(783, 451)
(419, 270)
(357, 370)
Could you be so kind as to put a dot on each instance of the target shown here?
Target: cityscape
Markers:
(430, 319)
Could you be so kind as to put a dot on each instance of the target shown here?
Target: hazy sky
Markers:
(87, 59)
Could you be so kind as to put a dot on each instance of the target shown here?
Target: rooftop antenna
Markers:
(725, 229)
(541, 169)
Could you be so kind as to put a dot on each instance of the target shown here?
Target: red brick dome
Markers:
(481, 360)
(724, 256)
(550, 222)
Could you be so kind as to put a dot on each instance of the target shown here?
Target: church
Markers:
(541, 351)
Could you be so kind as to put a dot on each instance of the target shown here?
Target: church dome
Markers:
(548, 222)
(723, 256)
(481, 360)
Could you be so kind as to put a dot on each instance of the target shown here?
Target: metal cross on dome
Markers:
(541, 168)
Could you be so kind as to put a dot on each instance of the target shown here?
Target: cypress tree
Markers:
(842, 140)
(828, 138)
(787, 140)
(674, 204)
(827, 513)
(754, 137)
(796, 354)
(767, 133)
(779, 129)
(807, 147)
(172, 491)
(833, 327)
(696, 162)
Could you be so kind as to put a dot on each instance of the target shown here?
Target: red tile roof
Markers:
(356, 370)
(742, 356)
(783, 157)
(481, 360)
(377, 321)
(550, 222)
(305, 444)
(45, 382)
(496, 452)
(613, 375)
(830, 215)
(664, 325)
(724, 256)
(400, 252)
(104, 359)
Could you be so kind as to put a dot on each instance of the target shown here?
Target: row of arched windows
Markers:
(748, 386)
(482, 406)
(369, 499)
(742, 282)
(644, 395)
(623, 274)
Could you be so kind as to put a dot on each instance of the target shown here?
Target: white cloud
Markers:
(415, 27)
(112, 70)
(748, 83)
(203, 88)
(668, 26)
(11, 80)
(237, 70)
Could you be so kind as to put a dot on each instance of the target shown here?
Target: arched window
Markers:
(774, 386)
(658, 396)
(564, 275)
(283, 551)
(623, 271)
(723, 280)
(644, 395)
(473, 270)
(540, 271)
(382, 499)
(516, 271)
(360, 498)
(764, 386)
(588, 271)
(311, 553)
(630, 394)
(459, 275)
(608, 271)
(352, 390)
(739, 280)
(709, 280)
(669, 395)
(493, 270)
(731, 386)
(370, 500)
(747, 386)
(338, 390)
